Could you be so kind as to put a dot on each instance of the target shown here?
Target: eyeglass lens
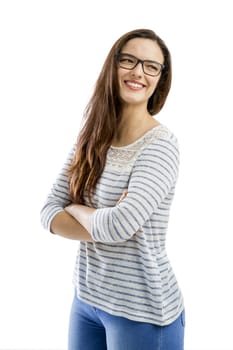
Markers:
(127, 61)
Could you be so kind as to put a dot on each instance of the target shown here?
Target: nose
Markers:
(138, 70)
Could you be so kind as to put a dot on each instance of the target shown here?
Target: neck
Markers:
(134, 123)
(133, 116)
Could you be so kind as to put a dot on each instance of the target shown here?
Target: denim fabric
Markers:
(93, 329)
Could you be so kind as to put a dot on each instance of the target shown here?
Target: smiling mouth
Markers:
(134, 85)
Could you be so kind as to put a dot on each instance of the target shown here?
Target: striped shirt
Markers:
(126, 271)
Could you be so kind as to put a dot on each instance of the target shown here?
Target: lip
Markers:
(134, 84)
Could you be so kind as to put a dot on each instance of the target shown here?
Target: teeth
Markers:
(134, 85)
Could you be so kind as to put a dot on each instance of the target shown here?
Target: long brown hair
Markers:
(102, 115)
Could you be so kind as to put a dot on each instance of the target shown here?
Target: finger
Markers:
(124, 194)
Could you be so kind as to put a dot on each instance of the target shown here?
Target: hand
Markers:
(82, 214)
(124, 194)
(70, 209)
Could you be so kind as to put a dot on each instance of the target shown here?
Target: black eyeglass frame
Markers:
(120, 54)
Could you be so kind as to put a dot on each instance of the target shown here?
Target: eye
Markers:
(126, 59)
(153, 67)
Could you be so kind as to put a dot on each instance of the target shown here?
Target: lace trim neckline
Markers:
(147, 133)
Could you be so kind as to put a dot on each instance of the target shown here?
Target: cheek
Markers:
(155, 82)
(121, 85)
(153, 85)
(120, 77)
(151, 89)
(119, 81)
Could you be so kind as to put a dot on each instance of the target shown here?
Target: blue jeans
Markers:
(93, 329)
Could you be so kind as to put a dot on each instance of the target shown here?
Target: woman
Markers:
(114, 195)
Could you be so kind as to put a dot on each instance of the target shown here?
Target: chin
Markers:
(133, 99)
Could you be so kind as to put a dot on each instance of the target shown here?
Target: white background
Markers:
(51, 55)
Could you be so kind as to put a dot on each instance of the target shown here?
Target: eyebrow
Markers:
(147, 60)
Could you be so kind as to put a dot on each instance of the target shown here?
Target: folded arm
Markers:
(153, 177)
(66, 226)
(83, 215)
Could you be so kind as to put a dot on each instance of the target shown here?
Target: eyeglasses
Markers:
(127, 61)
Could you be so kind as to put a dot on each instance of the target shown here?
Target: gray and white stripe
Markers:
(126, 270)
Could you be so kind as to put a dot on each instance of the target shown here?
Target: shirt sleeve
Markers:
(59, 196)
(154, 175)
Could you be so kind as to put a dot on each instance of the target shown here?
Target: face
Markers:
(135, 86)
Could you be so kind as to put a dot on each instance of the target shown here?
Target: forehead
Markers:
(145, 49)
